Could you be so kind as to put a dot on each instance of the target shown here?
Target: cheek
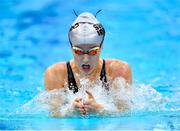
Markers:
(94, 60)
(78, 60)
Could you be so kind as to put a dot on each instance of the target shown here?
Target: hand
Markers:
(91, 105)
(79, 106)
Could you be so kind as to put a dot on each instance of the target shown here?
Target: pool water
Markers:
(145, 33)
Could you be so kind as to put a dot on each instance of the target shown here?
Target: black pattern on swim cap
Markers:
(86, 29)
(100, 29)
(74, 26)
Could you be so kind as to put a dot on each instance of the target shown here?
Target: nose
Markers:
(85, 58)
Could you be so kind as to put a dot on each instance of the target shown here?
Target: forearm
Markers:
(57, 112)
(68, 111)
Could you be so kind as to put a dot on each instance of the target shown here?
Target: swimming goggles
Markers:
(92, 51)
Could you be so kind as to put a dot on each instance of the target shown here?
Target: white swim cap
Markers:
(86, 29)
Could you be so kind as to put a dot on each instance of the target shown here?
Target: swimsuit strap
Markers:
(71, 80)
(103, 72)
(103, 77)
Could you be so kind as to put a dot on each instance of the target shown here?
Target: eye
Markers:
(93, 52)
(78, 52)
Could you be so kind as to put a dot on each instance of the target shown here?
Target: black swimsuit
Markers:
(72, 82)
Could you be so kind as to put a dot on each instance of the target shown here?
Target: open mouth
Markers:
(86, 67)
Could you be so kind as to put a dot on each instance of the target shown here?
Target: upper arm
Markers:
(54, 77)
(122, 69)
(127, 73)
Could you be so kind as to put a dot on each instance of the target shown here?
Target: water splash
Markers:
(120, 98)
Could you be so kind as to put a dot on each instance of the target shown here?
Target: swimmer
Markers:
(86, 37)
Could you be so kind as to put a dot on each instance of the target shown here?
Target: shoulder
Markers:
(56, 68)
(55, 75)
(119, 68)
(115, 64)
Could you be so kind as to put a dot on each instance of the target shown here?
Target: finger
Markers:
(82, 108)
(81, 104)
(86, 109)
(83, 114)
(75, 104)
(82, 111)
(78, 99)
(87, 106)
(78, 104)
(90, 96)
(86, 103)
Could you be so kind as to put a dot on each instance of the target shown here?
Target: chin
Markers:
(87, 72)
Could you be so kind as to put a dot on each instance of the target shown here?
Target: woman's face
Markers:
(86, 57)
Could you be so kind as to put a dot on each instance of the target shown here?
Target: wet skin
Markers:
(86, 66)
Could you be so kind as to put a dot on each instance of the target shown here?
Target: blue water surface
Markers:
(33, 35)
